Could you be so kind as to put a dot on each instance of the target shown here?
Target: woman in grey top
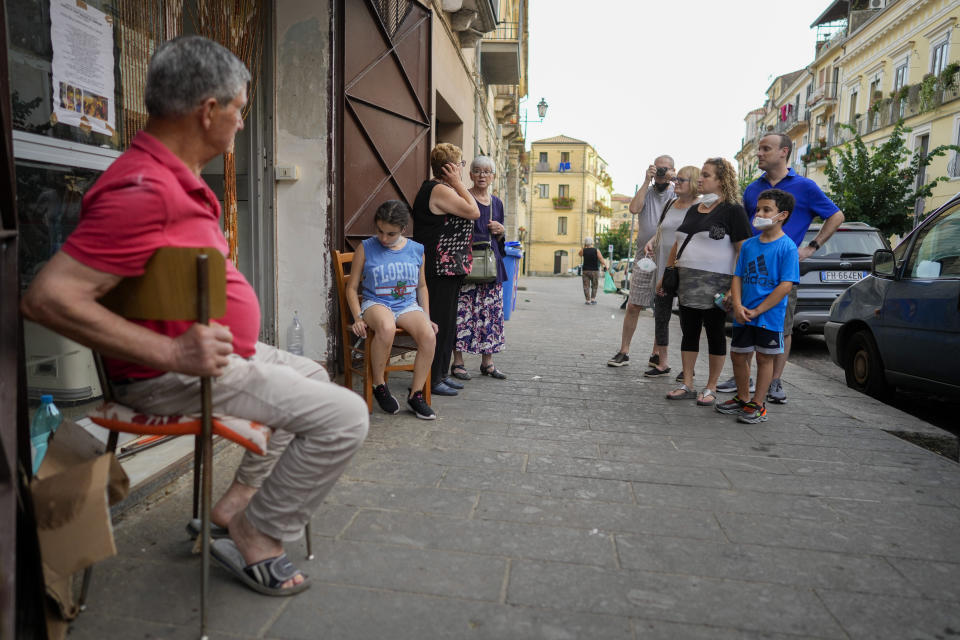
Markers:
(658, 248)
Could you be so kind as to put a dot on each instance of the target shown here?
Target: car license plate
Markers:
(841, 276)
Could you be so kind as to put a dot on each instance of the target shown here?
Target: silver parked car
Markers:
(900, 326)
(843, 260)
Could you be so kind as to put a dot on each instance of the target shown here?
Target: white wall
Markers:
(304, 274)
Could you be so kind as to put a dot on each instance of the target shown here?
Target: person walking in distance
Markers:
(773, 154)
(648, 203)
(592, 261)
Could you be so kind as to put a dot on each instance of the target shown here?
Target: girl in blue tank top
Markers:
(386, 289)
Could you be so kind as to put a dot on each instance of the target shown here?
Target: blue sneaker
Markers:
(442, 389)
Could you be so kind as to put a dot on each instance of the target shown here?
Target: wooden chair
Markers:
(179, 284)
(356, 359)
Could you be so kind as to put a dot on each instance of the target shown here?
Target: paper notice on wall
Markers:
(82, 66)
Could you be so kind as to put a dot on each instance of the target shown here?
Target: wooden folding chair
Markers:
(179, 284)
(356, 359)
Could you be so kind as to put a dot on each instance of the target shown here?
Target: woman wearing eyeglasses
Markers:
(710, 236)
(443, 215)
(658, 248)
(480, 310)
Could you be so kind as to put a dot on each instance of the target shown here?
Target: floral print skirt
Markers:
(480, 319)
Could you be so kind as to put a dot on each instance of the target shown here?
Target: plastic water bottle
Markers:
(718, 300)
(45, 422)
(295, 336)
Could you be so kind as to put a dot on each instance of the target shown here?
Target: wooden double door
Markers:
(383, 109)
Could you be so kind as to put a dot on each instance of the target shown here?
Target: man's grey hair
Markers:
(186, 71)
(587, 241)
(665, 158)
(483, 162)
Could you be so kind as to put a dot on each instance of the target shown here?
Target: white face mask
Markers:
(709, 198)
(762, 223)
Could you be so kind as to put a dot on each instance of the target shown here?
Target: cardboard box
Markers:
(72, 493)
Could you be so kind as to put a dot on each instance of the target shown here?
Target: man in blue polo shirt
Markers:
(773, 152)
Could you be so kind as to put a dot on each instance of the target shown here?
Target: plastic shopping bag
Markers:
(608, 286)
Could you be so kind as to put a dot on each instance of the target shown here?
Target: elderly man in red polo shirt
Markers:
(153, 196)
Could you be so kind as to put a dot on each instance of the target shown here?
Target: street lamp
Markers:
(541, 112)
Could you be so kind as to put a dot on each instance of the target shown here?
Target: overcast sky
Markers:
(637, 78)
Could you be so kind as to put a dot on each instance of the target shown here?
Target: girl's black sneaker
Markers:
(385, 399)
(419, 407)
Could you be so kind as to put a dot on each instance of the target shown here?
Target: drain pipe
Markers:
(476, 100)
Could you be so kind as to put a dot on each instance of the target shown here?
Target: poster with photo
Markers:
(82, 68)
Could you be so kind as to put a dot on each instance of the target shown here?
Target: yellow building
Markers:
(875, 62)
(620, 214)
(785, 112)
(503, 64)
(569, 201)
(754, 130)
(885, 64)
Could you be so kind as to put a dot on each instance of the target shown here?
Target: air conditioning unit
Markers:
(878, 4)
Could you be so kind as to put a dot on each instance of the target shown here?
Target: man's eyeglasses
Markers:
(680, 180)
(482, 172)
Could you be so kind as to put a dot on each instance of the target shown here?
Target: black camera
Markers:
(661, 171)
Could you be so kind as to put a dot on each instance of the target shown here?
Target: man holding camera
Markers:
(648, 203)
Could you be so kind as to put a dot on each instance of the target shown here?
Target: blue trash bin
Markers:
(511, 261)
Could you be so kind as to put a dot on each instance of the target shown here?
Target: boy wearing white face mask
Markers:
(767, 268)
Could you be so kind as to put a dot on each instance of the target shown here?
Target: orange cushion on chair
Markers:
(116, 417)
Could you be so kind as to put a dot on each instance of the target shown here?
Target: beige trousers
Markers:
(318, 426)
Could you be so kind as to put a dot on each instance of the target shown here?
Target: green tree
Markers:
(744, 178)
(619, 238)
(878, 185)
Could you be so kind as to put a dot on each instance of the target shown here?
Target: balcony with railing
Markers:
(794, 122)
(824, 94)
(500, 54)
(885, 113)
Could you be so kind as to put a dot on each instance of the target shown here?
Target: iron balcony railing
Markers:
(825, 92)
(794, 119)
(504, 31)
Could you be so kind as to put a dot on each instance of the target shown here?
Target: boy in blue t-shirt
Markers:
(767, 268)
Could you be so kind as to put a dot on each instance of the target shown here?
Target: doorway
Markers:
(383, 110)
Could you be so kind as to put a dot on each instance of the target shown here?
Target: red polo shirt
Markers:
(149, 199)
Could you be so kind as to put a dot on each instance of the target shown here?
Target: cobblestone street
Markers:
(573, 501)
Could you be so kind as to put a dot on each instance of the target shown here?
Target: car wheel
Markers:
(863, 368)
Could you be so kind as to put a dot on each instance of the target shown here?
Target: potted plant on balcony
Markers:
(563, 202)
(928, 89)
(948, 77)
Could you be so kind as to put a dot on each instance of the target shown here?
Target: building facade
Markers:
(876, 62)
(348, 98)
(783, 112)
(569, 201)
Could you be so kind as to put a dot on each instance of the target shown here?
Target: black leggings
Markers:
(444, 296)
(691, 320)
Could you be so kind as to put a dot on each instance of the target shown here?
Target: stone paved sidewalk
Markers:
(573, 501)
